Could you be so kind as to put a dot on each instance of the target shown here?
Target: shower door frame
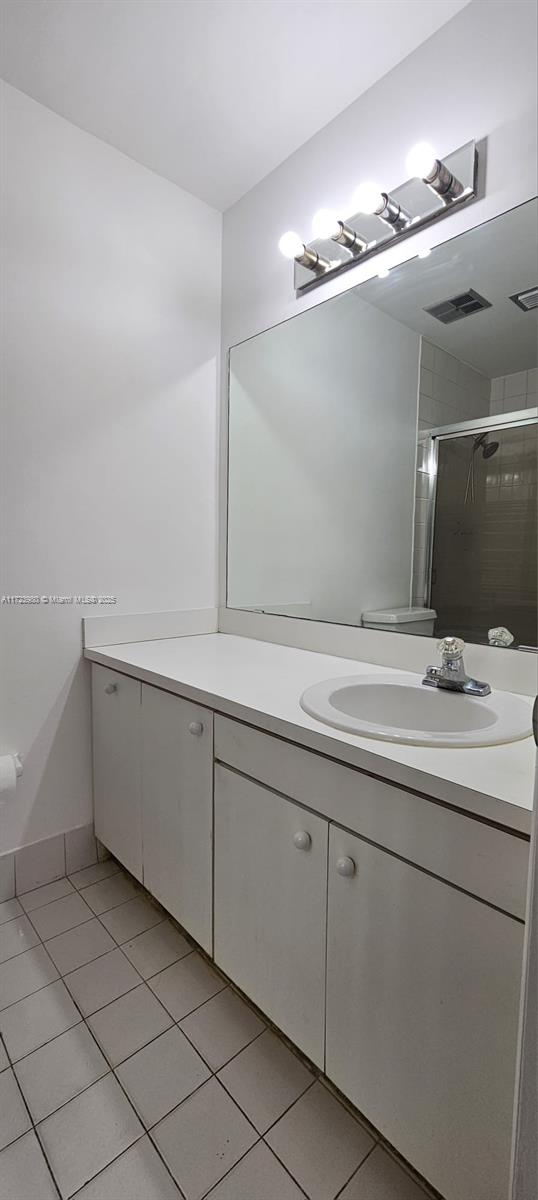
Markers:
(509, 420)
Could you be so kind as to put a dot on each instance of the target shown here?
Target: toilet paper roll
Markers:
(10, 769)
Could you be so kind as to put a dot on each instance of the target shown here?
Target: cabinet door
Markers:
(422, 1011)
(116, 765)
(177, 803)
(270, 905)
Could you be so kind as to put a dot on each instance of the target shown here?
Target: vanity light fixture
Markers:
(422, 162)
(292, 246)
(371, 200)
(326, 224)
(378, 220)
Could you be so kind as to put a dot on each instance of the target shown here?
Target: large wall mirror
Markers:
(383, 448)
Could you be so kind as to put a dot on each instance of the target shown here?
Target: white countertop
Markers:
(261, 682)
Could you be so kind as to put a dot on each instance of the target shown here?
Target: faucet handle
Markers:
(451, 648)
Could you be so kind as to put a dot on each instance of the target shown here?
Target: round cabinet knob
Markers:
(302, 840)
(345, 866)
(111, 688)
(196, 728)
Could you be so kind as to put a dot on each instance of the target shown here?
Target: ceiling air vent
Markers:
(527, 300)
(458, 307)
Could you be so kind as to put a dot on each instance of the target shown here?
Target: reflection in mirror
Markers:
(382, 448)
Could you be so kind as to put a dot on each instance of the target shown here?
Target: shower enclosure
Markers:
(482, 554)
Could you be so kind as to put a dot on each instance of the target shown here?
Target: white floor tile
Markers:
(40, 863)
(14, 1119)
(381, 1178)
(24, 1174)
(36, 1019)
(60, 1070)
(101, 981)
(25, 974)
(259, 1176)
(100, 870)
(222, 1027)
(131, 918)
(79, 946)
(156, 949)
(185, 985)
(16, 936)
(265, 1079)
(139, 1174)
(129, 1023)
(45, 895)
(109, 893)
(320, 1143)
(203, 1138)
(10, 909)
(85, 1135)
(161, 1075)
(61, 915)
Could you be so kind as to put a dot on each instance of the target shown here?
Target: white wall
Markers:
(475, 78)
(112, 285)
(323, 416)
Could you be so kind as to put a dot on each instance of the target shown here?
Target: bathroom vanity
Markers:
(369, 897)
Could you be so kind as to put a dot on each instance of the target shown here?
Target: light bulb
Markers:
(421, 160)
(325, 223)
(369, 198)
(424, 253)
(291, 245)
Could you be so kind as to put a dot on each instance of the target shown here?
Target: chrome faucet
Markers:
(451, 674)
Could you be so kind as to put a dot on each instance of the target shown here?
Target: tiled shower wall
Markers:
(512, 392)
(449, 391)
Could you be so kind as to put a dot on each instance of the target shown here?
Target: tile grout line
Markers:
(356, 1170)
(112, 1071)
(131, 1106)
(33, 1127)
(226, 983)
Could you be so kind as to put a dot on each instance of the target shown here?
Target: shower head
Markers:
(488, 448)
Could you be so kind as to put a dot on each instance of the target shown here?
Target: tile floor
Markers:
(130, 1070)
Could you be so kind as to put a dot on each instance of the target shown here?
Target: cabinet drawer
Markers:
(483, 860)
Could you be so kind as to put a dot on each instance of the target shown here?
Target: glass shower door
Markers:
(484, 559)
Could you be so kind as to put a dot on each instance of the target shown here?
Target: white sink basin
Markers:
(398, 708)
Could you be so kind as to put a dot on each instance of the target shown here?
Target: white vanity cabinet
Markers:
(153, 792)
(270, 905)
(422, 1010)
(380, 930)
(116, 765)
(177, 809)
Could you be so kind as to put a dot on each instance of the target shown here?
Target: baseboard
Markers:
(51, 858)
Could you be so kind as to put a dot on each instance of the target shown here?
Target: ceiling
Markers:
(211, 94)
(497, 260)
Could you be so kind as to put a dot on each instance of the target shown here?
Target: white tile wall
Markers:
(42, 862)
(80, 849)
(7, 877)
(512, 392)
